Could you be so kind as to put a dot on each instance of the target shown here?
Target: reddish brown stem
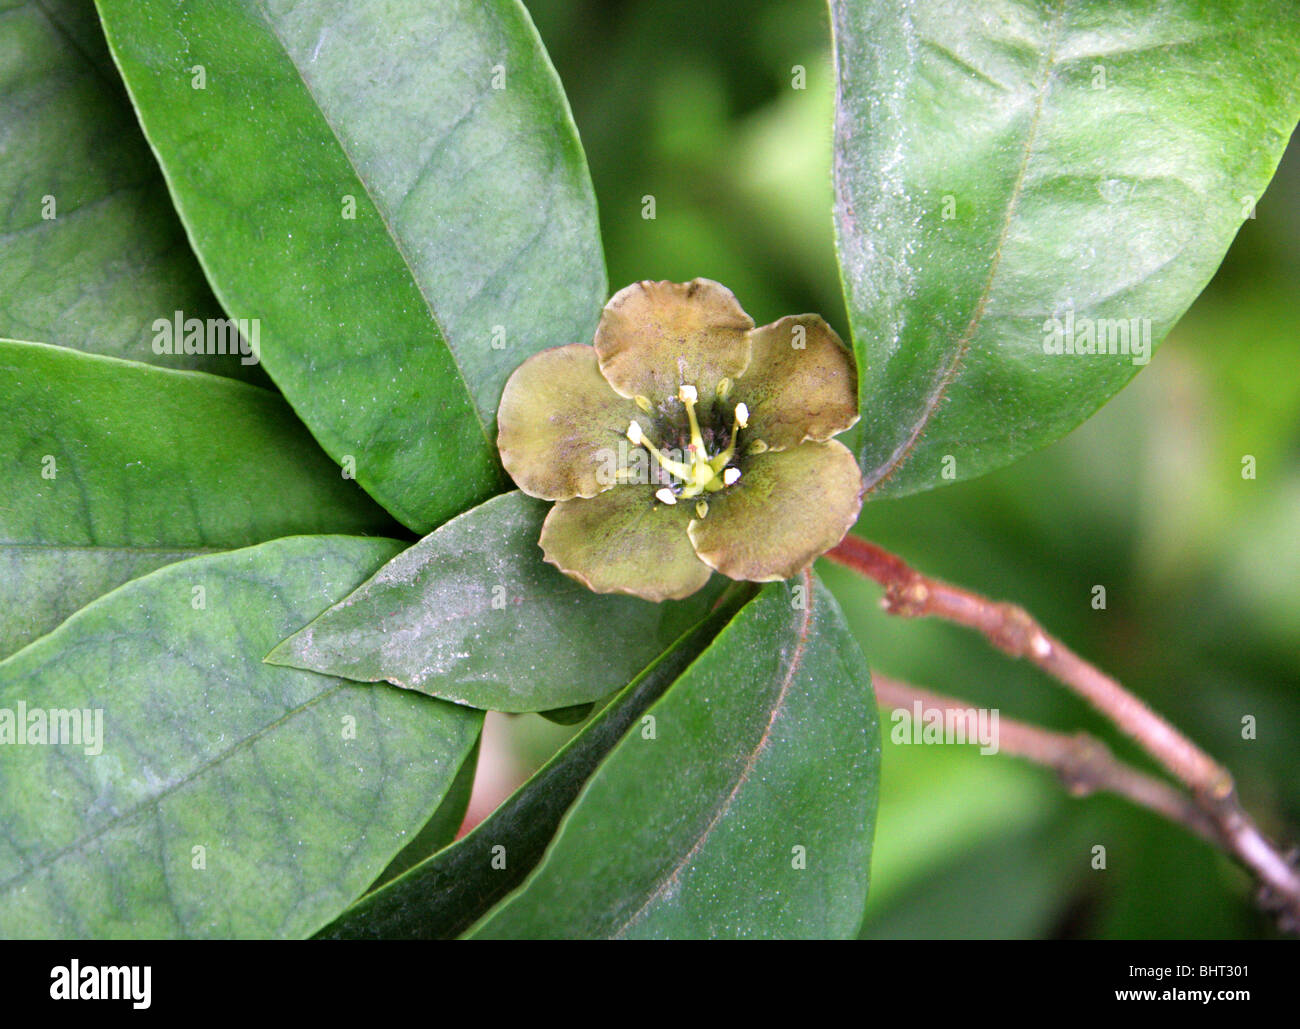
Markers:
(1084, 764)
(910, 594)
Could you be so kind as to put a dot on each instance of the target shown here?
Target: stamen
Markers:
(688, 396)
(637, 437)
(700, 473)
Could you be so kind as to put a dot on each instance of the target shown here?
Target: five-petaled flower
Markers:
(685, 440)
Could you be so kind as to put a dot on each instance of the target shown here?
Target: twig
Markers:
(1084, 764)
(1011, 629)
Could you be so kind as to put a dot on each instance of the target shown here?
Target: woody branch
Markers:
(910, 594)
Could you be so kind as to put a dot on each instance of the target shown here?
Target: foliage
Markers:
(396, 195)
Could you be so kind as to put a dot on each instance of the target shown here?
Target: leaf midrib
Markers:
(470, 396)
(746, 770)
(948, 374)
(53, 857)
(128, 548)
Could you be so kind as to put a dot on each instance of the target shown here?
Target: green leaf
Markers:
(405, 231)
(571, 715)
(92, 251)
(994, 173)
(229, 798)
(473, 614)
(444, 895)
(441, 829)
(117, 468)
(744, 809)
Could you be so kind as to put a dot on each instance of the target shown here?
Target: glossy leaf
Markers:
(741, 805)
(396, 191)
(224, 797)
(116, 468)
(443, 896)
(91, 251)
(998, 167)
(473, 614)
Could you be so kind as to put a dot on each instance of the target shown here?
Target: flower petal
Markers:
(623, 541)
(560, 426)
(655, 336)
(801, 382)
(789, 507)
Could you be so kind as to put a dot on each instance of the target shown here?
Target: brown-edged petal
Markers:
(789, 507)
(560, 425)
(801, 382)
(653, 337)
(624, 541)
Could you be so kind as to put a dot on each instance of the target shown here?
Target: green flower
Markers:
(686, 440)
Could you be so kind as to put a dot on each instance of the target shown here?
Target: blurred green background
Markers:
(694, 105)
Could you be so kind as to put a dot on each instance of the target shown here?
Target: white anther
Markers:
(634, 434)
(665, 496)
(731, 476)
(688, 395)
(742, 416)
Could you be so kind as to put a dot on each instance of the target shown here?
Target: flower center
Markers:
(695, 472)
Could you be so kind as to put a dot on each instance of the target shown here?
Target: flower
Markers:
(684, 441)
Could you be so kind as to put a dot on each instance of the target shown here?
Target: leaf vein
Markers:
(796, 660)
(384, 220)
(948, 372)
